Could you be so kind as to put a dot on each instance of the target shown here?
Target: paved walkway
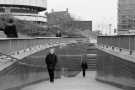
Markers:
(76, 83)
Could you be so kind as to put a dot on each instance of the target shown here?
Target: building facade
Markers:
(126, 17)
(58, 17)
(64, 18)
(83, 25)
(27, 10)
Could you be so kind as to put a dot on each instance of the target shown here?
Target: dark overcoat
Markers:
(51, 61)
(10, 31)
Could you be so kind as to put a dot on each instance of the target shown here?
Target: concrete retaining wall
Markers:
(115, 70)
(20, 75)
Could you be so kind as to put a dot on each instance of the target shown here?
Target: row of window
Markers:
(20, 10)
(127, 26)
(2, 10)
(24, 11)
(127, 21)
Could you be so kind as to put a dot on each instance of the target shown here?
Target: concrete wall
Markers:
(115, 70)
(20, 75)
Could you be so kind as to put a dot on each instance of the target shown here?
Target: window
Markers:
(2, 10)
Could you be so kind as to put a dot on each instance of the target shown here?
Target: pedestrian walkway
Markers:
(74, 83)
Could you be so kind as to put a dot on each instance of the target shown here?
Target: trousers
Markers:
(83, 72)
(51, 75)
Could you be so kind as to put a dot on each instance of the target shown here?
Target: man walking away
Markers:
(51, 61)
(84, 65)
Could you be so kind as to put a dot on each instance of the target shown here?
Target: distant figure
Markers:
(10, 29)
(1, 29)
(51, 61)
(58, 34)
(84, 65)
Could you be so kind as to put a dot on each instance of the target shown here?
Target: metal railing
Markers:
(123, 42)
(8, 46)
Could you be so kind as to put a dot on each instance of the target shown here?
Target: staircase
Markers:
(91, 57)
(72, 63)
(91, 60)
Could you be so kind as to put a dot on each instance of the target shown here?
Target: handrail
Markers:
(126, 42)
(12, 45)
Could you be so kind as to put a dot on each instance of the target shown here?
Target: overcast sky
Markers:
(102, 12)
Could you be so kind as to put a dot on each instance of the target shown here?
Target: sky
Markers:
(101, 12)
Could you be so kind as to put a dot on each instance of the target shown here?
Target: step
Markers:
(91, 60)
(92, 67)
(91, 63)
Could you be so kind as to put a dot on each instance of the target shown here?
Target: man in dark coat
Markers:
(84, 65)
(10, 29)
(51, 61)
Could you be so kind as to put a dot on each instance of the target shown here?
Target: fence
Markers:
(126, 42)
(8, 46)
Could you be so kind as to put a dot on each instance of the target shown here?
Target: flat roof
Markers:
(24, 6)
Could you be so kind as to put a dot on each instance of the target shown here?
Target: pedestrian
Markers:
(1, 29)
(10, 29)
(84, 65)
(58, 34)
(51, 61)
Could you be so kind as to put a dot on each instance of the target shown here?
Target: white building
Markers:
(24, 9)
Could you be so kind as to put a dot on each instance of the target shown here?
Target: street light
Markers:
(110, 29)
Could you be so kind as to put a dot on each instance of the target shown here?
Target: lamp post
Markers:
(130, 51)
(110, 29)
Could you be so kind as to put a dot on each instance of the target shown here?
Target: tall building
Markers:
(126, 17)
(24, 9)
